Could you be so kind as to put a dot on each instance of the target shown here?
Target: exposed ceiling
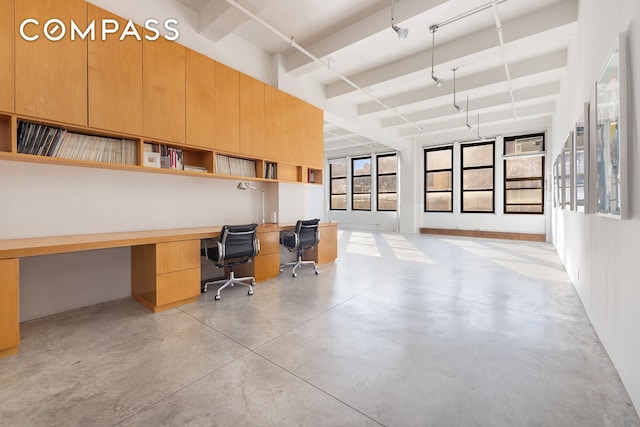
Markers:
(378, 89)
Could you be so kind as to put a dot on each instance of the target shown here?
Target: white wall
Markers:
(601, 254)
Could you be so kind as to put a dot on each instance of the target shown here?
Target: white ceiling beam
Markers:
(217, 19)
(351, 32)
(524, 94)
(545, 109)
(519, 69)
(549, 18)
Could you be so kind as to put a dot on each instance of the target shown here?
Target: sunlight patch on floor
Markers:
(363, 244)
(405, 250)
(535, 271)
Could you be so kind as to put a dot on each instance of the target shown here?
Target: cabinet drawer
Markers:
(266, 267)
(177, 286)
(176, 256)
(269, 242)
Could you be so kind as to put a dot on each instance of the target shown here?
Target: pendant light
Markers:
(402, 32)
(468, 125)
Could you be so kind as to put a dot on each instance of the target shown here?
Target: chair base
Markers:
(297, 264)
(231, 281)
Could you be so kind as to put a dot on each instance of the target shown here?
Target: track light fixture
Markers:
(439, 81)
(459, 108)
(468, 125)
(402, 32)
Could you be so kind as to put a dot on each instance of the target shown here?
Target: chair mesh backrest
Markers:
(307, 232)
(239, 241)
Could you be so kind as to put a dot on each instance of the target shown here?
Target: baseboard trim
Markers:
(533, 237)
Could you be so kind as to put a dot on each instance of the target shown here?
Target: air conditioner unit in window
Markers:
(528, 145)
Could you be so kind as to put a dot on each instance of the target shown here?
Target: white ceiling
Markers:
(378, 91)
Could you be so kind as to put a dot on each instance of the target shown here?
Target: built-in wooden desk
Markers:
(165, 265)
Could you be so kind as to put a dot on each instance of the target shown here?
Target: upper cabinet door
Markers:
(51, 76)
(7, 40)
(115, 79)
(200, 100)
(275, 124)
(314, 137)
(251, 116)
(227, 118)
(163, 90)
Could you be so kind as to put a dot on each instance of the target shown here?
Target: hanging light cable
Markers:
(459, 108)
(433, 29)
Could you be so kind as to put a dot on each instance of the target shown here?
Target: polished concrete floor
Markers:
(403, 330)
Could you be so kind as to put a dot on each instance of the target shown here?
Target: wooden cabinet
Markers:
(7, 58)
(163, 90)
(165, 275)
(227, 105)
(9, 307)
(154, 91)
(51, 76)
(200, 100)
(267, 263)
(115, 79)
(313, 140)
(275, 124)
(251, 116)
(327, 250)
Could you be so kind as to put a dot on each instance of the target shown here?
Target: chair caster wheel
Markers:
(250, 292)
(317, 272)
(217, 297)
(294, 275)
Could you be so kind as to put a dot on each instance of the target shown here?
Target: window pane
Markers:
(530, 183)
(362, 202)
(524, 167)
(537, 209)
(338, 168)
(439, 159)
(387, 164)
(339, 202)
(524, 196)
(477, 155)
(362, 184)
(362, 166)
(481, 201)
(387, 202)
(439, 202)
(339, 186)
(438, 181)
(387, 184)
(477, 179)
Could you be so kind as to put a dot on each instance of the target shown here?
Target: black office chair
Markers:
(238, 244)
(304, 236)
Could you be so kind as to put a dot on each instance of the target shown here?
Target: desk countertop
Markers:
(16, 248)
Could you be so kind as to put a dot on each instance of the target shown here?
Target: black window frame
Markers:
(427, 171)
(331, 179)
(537, 178)
(353, 187)
(378, 175)
(477, 190)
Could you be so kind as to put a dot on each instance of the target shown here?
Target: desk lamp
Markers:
(249, 186)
